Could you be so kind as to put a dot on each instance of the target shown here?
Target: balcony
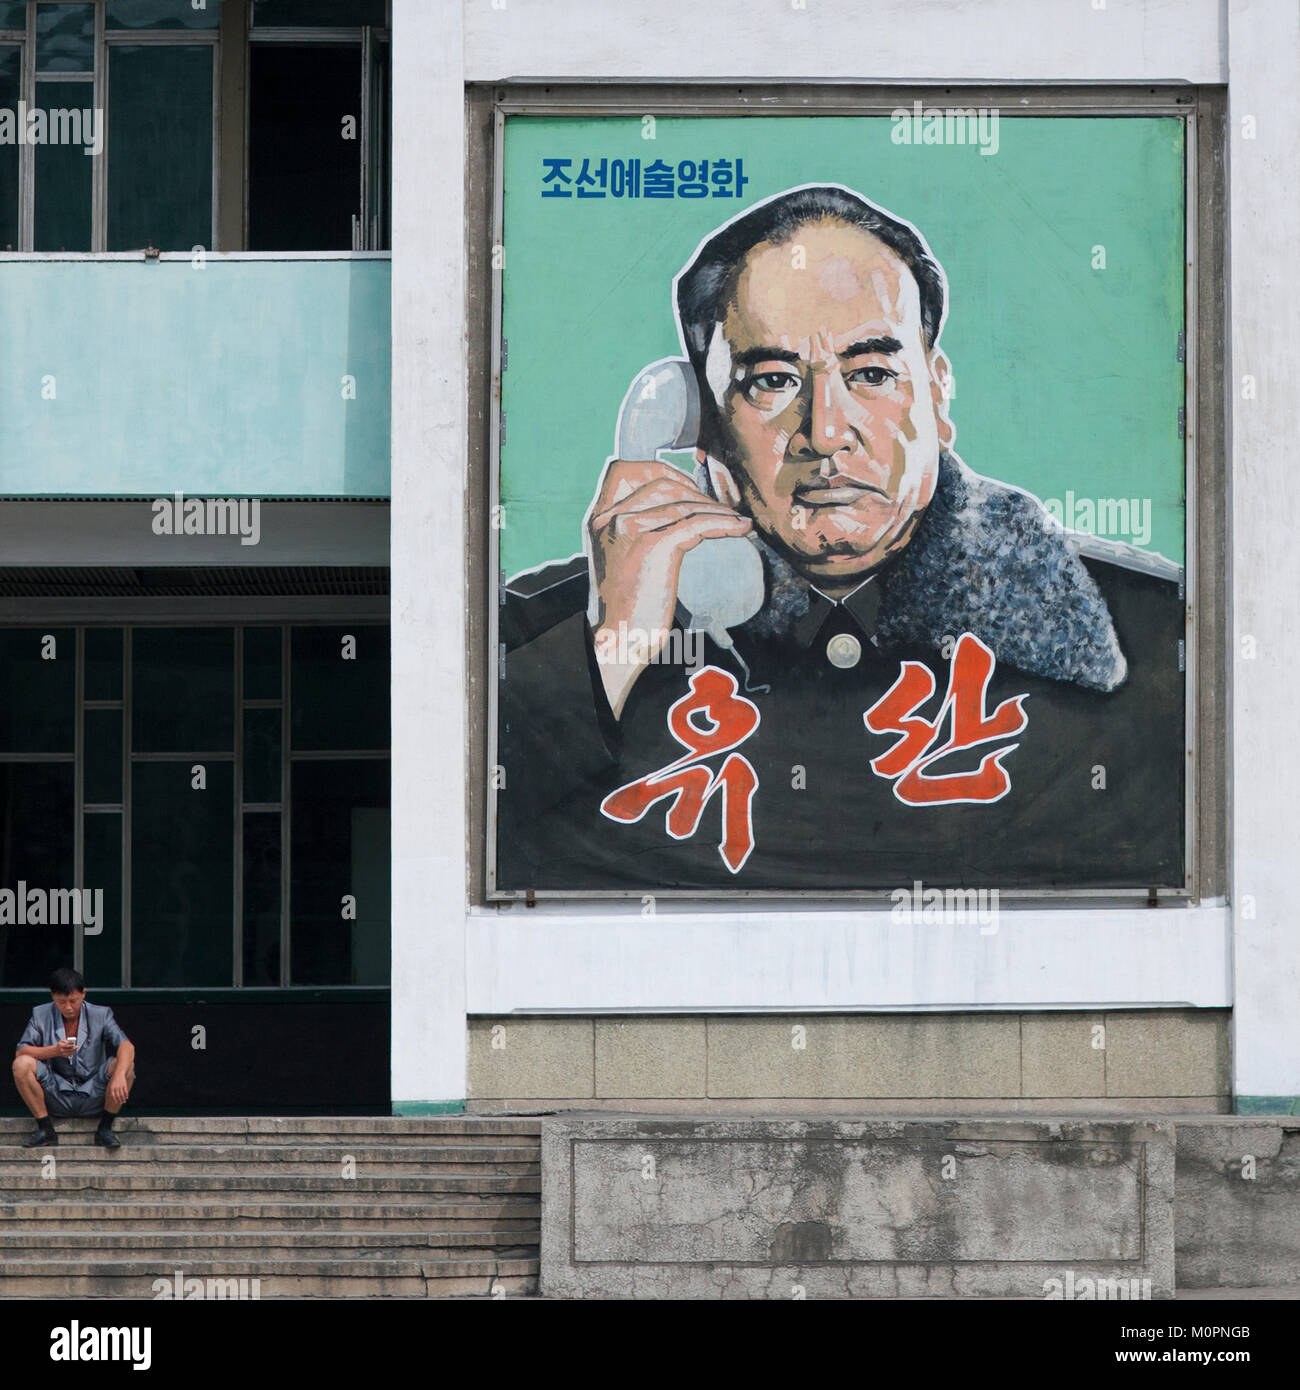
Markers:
(243, 374)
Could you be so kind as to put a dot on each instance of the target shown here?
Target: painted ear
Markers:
(942, 389)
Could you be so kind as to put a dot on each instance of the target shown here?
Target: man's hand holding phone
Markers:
(646, 516)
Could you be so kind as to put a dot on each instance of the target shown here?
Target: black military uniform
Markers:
(1096, 776)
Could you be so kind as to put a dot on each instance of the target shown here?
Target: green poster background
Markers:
(1067, 378)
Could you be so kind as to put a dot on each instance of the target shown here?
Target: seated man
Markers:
(73, 1059)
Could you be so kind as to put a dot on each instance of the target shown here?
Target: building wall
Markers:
(450, 958)
(1149, 1062)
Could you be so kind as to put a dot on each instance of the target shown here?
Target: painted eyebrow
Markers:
(750, 356)
(869, 345)
(864, 348)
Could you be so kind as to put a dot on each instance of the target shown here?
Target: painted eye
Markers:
(872, 376)
(775, 381)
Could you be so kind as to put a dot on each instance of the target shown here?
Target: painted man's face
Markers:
(832, 409)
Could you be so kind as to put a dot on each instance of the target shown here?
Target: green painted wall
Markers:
(1266, 1105)
(225, 380)
(1067, 376)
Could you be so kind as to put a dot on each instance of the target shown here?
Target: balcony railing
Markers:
(134, 375)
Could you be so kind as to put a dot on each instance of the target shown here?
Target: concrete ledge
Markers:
(1238, 1202)
(657, 1207)
(1078, 1107)
(880, 1063)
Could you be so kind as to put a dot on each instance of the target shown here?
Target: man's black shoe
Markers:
(106, 1139)
(42, 1139)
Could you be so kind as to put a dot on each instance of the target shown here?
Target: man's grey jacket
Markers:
(1092, 640)
(100, 1036)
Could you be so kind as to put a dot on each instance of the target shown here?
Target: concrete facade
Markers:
(1088, 1062)
(1237, 1222)
(660, 1208)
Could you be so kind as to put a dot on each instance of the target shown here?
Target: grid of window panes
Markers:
(76, 178)
(110, 124)
(224, 788)
(315, 68)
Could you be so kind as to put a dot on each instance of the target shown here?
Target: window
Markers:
(222, 792)
(113, 135)
(318, 126)
(117, 108)
(37, 797)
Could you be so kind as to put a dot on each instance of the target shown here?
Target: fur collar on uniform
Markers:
(987, 559)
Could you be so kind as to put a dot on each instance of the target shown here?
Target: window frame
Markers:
(369, 229)
(98, 78)
(237, 621)
(1203, 109)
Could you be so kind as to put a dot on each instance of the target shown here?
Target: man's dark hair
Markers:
(65, 980)
(705, 283)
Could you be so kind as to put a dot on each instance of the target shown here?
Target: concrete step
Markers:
(440, 1206)
(145, 1279)
(437, 1129)
(320, 1159)
(197, 1215)
(255, 1185)
(521, 1238)
(257, 1148)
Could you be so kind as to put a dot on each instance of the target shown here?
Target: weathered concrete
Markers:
(652, 1058)
(267, 1207)
(841, 1107)
(1235, 1230)
(647, 1207)
(1069, 1063)
(1059, 1055)
(1184, 1053)
(870, 1055)
(531, 1057)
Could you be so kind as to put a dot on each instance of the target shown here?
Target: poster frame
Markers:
(1189, 104)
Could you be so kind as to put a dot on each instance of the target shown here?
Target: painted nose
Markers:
(830, 428)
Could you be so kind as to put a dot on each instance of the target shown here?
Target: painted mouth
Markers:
(838, 494)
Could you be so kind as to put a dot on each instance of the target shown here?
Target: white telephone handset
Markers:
(721, 582)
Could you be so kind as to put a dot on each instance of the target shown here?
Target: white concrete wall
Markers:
(858, 40)
(1264, 220)
(428, 557)
(556, 957)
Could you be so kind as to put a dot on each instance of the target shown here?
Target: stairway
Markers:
(430, 1207)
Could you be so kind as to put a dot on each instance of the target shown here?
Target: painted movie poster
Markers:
(840, 504)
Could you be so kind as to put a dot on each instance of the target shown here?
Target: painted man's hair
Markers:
(704, 285)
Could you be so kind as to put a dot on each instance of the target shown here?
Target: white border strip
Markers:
(887, 41)
(534, 960)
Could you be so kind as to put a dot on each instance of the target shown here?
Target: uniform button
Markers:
(844, 650)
